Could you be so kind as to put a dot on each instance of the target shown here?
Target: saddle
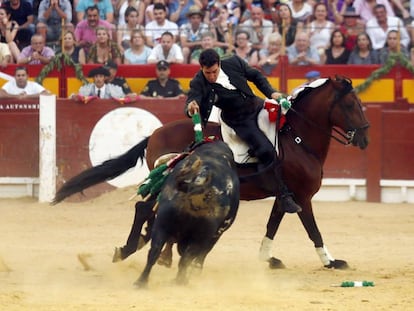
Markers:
(267, 119)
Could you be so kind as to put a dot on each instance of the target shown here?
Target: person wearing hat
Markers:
(117, 80)
(351, 26)
(312, 75)
(163, 86)
(181, 9)
(99, 88)
(190, 32)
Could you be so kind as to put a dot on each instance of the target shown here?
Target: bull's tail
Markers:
(102, 172)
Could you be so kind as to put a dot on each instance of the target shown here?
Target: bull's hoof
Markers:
(275, 263)
(141, 284)
(181, 281)
(337, 264)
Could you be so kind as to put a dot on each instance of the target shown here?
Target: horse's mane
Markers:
(304, 90)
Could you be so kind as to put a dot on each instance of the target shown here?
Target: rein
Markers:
(345, 138)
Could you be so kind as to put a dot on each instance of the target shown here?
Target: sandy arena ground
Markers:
(40, 270)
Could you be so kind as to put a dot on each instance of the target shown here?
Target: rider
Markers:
(223, 83)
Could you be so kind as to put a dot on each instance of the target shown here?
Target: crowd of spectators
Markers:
(176, 31)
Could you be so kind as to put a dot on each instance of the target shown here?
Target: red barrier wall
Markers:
(388, 156)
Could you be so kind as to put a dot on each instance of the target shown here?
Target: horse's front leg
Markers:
(273, 223)
(308, 220)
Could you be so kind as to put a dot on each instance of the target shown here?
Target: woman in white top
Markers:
(124, 32)
(301, 10)
(320, 29)
(138, 53)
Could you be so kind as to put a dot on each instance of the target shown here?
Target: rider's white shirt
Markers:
(223, 79)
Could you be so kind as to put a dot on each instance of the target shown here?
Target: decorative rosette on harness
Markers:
(277, 110)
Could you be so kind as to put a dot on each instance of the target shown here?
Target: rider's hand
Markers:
(276, 95)
(192, 108)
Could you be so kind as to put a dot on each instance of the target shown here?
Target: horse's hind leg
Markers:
(308, 220)
(273, 223)
(143, 213)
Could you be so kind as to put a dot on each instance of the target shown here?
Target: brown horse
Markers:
(330, 105)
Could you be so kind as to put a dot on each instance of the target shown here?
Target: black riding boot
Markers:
(284, 196)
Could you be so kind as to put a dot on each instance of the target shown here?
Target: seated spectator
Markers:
(99, 88)
(70, 48)
(320, 29)
(269, 55)
(244, 50)
(190, 33)
(378, 27)
(365, 8)
(215, 9)
(163, 86)
(124, 32)
(50, 15)
(337, 52)
(301, 10)
(85, 31)
(5, 55)
(22, 13)
(36, 53)
(20, 87)
(8, 32)
(160, 24)
(104, 49)
(117, 80)
(351, 27)
(287, 24)
(166, 50)
(138, 53)
(363, 53)
(138, 5)
(223, 29)
(105, 9)
(179, 10)
(149, 10)
(257, 26)
(270, 10)
(301, 53)
(392, 45)
(207, 42)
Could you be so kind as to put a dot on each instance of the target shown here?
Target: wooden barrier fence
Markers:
(387, 158)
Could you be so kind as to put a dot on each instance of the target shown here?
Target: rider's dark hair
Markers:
(209, 58)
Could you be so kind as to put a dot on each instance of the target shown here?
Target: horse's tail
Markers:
(102, 172)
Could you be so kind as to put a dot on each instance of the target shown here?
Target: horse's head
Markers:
(346, 113)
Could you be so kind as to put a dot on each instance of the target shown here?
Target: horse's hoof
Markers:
(117, 255)
(337, 264)
(275, 263)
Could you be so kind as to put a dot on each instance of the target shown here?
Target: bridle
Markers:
(344, 138)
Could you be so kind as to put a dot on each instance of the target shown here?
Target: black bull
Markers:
(197, 203)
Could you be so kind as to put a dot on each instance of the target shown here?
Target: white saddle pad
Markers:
(238, 146)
